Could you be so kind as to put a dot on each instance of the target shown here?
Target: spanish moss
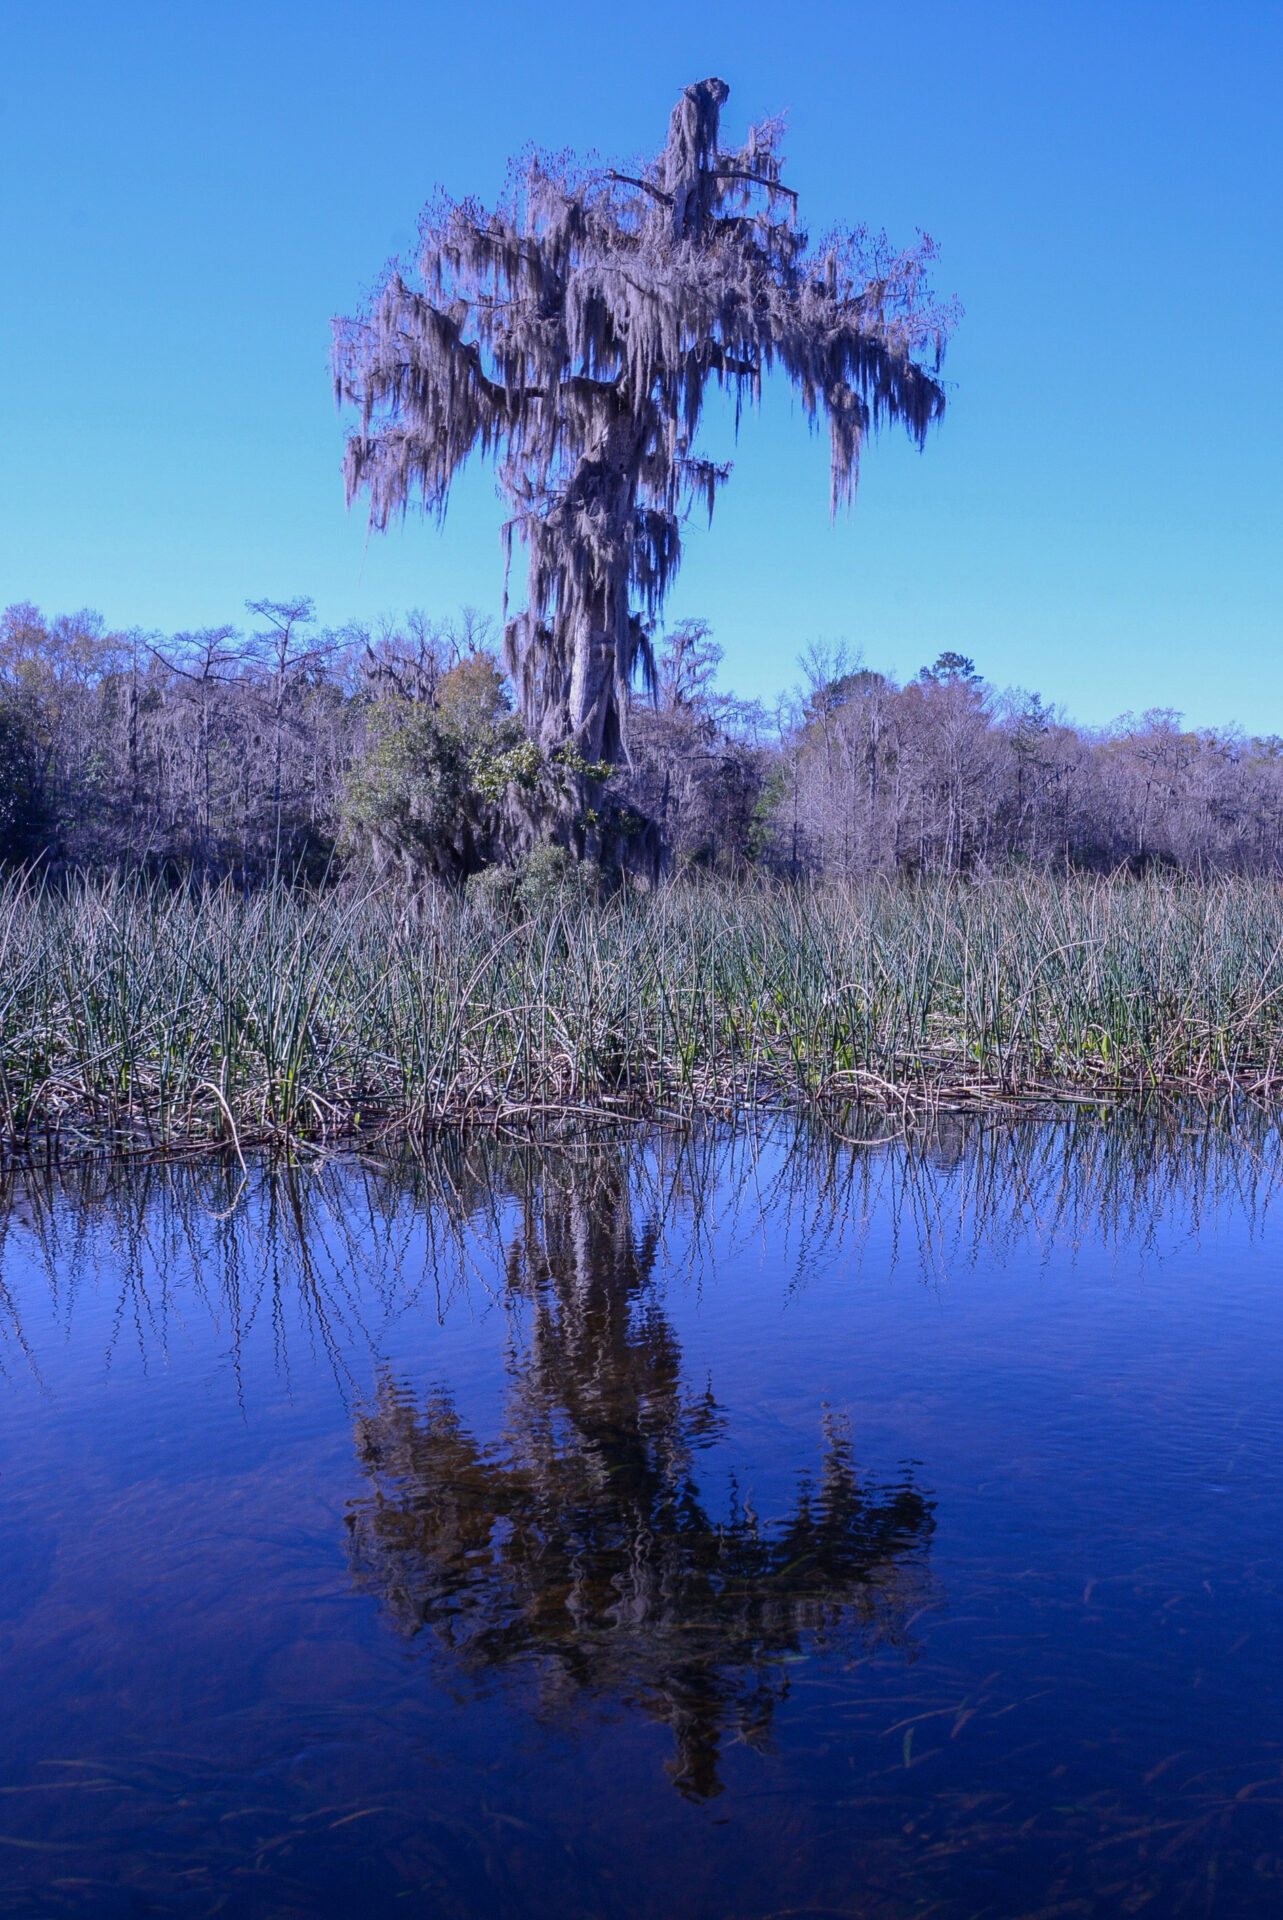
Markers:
(571, 336)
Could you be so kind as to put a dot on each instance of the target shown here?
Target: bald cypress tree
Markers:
(571, 334)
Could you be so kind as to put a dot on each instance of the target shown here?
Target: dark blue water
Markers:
(761, 1526)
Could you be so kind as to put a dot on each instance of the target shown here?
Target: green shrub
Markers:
(427, 793)
(545, 880)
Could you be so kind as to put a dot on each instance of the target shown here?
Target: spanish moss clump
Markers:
(571, 335)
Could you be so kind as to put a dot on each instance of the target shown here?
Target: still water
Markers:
(754, 1525)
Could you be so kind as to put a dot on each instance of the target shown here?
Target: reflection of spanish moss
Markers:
(582, 1542)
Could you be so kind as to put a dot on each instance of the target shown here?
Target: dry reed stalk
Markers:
(139, 1016)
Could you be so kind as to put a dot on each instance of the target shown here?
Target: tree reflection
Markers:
(582, 1541)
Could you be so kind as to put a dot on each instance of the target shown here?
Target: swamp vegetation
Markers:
(629, 1305)
(298, 753)
(155, 1019)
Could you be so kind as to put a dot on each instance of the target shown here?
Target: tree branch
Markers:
(723, 361)
(756, 179)
(496, 393)
(631, 180)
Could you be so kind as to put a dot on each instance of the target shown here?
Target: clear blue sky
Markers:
(189, 194)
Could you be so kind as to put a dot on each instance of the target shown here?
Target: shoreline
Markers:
(136, 1020)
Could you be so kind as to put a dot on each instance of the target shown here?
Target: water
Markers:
(751, 1526)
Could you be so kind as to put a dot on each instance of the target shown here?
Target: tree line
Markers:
(946, 774)
(298, 751)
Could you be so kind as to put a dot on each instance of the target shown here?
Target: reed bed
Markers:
(157, 1020)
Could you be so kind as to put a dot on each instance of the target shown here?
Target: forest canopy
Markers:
(229, 754)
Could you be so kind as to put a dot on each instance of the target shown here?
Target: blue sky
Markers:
(189, 194)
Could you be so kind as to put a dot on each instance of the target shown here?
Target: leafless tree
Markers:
(206, 660)
(291, 653)
(697, 760)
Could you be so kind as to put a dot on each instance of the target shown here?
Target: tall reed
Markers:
(159, 1018)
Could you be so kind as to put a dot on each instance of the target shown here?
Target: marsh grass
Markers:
(159, 1019)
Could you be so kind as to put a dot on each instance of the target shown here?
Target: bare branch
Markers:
(645, 186)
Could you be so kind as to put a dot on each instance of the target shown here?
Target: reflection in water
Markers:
(409, 1233)
(208, 1711)
(583, 1541)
